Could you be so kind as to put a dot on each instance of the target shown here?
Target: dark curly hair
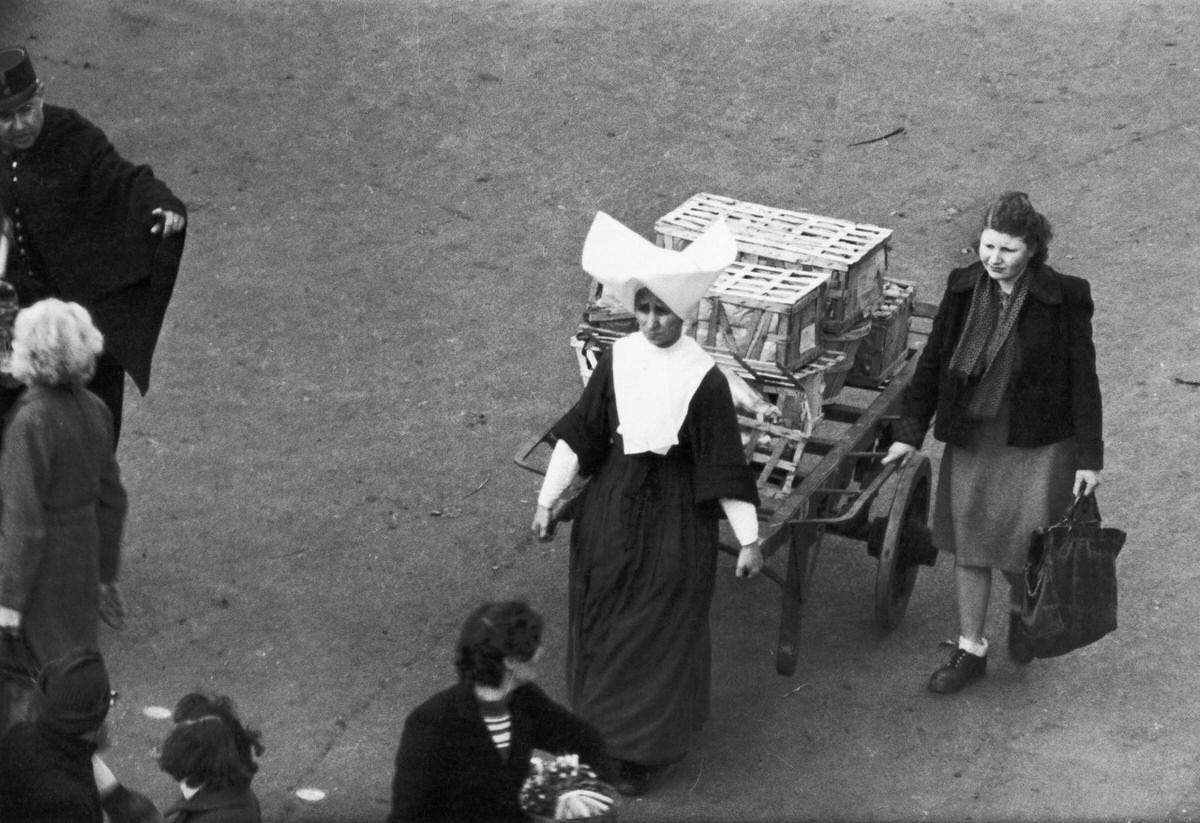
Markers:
(493, 632)
(1013, 214)
(209, 745)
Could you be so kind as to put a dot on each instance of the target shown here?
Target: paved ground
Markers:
(388, 201)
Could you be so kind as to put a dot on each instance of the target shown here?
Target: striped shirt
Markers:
(499, 725)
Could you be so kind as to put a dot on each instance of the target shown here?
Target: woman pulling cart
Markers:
(1010, 371)
(656, 433)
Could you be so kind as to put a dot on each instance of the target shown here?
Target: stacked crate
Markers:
(759, 312)
(853, 255)
(884, 348)
(805, 305)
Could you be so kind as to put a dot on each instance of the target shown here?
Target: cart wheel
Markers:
(910, 505)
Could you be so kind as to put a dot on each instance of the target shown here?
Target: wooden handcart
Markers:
(825, 480)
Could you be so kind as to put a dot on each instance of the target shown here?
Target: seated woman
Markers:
(466, 751)
(211, 754)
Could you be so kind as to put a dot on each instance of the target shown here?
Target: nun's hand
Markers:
(10, 619)
(768, 412)
(750, 559)
(543, 523)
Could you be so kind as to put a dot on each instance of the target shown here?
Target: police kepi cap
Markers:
(18, 81)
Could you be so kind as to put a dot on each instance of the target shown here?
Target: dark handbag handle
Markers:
(1083, 511)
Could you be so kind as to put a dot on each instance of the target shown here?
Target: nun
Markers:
(656, 436)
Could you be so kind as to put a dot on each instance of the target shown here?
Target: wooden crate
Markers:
(774, 453)
(799, 395)
(853, 254)
(764, 313)
(885, 347)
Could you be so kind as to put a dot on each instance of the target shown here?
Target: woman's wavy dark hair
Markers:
(1013, 214)
(493, 632)
(209, 745)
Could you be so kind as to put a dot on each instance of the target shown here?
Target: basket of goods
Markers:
(565, 789)
(853, 254)
(884, 348)
(759, 312)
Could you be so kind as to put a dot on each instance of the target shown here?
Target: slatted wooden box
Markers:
(774, 453)
(853, 254)
(760, 312)
(885, 346)
(799, 395)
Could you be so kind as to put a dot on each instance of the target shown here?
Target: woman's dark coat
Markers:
(448, 768)
(62, 512)
(216, 806)
(1054, 390)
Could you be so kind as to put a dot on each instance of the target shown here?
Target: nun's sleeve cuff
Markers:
(743, 519)
(560, 473)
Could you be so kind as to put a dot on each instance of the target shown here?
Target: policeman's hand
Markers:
(750, 559)
(167, 222)
(10, 619)
(1086, 482)
(898, 451)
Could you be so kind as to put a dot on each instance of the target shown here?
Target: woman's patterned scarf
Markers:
(987, 347)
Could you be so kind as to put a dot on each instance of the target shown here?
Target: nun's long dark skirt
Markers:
(643, 565)
(991, 496)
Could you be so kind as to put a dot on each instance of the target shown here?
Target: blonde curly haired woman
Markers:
(62, 505)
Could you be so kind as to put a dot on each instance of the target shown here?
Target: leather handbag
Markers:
(18, 679)
(1070, 597)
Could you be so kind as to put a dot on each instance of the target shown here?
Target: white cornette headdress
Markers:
(624, 261)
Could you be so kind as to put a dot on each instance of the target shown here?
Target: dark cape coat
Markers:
(62, 512)
(448, 768)
(643, 567)
(86, 213)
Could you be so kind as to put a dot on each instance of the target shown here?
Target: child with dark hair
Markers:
(211, 754)
(466, 751)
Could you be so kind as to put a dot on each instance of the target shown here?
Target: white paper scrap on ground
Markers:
(157, 712)
(311, 795)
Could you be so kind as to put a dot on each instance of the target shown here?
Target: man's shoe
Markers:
(1020, 644)
(961, 670)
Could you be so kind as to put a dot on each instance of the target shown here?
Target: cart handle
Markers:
(863, 496)
(521, 458)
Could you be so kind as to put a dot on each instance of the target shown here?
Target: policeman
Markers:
(88, 227)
